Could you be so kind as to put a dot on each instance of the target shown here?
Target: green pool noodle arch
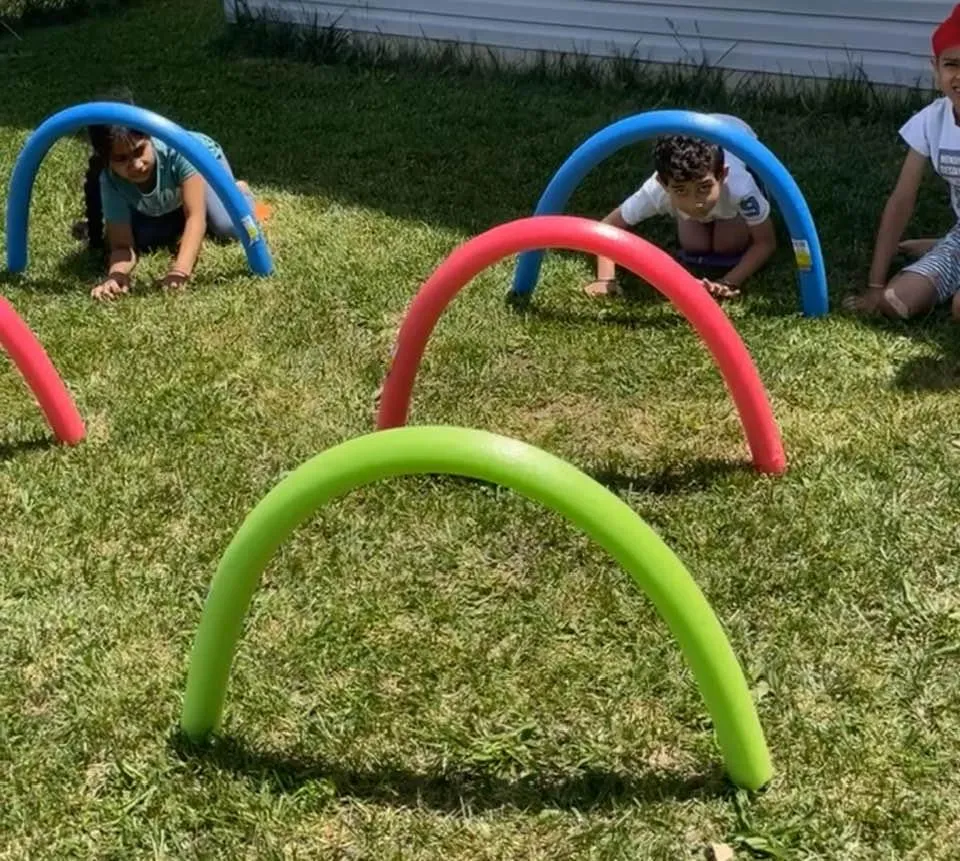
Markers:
(534, 474)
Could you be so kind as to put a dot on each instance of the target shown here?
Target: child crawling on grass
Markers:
(718, 207)
(932, 134)
(144, 195)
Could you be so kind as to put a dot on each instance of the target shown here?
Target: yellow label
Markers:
(801, 251)
(251, 227)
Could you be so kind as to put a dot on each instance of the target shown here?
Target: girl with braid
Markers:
(140, 195)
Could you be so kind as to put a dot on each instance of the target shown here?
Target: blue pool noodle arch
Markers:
(623, 133)
(72, 119)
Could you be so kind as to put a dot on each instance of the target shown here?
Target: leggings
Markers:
(159, 231)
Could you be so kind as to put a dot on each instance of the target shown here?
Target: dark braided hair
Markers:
(680, 158)
(92, 204)
(101, 140)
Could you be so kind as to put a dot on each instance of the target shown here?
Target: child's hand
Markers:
(110, 289)
(174, 280)
(603, 287)
(720, 289)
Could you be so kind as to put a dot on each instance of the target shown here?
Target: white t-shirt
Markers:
(934, 133)
(739, 194)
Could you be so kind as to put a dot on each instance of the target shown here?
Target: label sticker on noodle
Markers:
(251, 227)
(801, 251)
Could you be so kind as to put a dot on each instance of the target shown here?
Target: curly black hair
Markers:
(680, 158)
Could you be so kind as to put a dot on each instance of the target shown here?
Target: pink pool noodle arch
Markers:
(628, 251)
(42, 378)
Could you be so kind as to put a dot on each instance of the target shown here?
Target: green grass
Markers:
(433, 668)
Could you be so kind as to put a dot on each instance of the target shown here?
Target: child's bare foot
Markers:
(603, 287)
(864, 303)
(261, 211)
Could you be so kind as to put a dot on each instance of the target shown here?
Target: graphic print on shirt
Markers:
(750, 207)
(933, 133)
(948, 164)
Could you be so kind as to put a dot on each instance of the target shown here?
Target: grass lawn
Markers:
(432, 668)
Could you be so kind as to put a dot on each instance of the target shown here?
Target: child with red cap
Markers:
(932, 134)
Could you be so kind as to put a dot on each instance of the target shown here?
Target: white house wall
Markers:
(888, 39)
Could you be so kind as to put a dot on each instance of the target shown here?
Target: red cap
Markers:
(947, 35)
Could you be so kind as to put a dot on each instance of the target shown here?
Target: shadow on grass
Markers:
(609, 315)
(88, 268)
(929, 374)
(455, 790)
(775, 293)
(79, 265)
(939, 373)
(692, 476)
(9, 449)
(782, 303)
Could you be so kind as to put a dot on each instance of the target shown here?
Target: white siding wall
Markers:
(889, 39)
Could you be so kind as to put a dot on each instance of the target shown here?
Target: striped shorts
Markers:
(941, 264)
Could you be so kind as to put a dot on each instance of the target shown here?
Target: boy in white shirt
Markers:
(717, 205)
(932, 134)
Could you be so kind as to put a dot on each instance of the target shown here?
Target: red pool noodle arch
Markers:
(630, 252)
(41, 376)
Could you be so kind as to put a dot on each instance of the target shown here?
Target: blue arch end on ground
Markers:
(113, 113)
(787, 195)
